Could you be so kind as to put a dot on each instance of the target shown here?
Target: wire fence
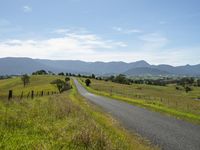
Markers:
(29, 95)
(128, 92)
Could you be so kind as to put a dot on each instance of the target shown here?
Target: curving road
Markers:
(167, 132)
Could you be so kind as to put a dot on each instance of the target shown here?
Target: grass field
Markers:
(61, 121)
(160, 98)
(37, 84)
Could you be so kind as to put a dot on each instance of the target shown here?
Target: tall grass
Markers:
(63, 121)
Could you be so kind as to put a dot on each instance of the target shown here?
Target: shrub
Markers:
(187, 89)
(67, 79)
(61, 85)
(87, 82)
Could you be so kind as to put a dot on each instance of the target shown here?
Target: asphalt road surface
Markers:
(167, 132)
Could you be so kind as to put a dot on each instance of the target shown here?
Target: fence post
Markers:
(32, 94)
(10, 95)
(42, 93)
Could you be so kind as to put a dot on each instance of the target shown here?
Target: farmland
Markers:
(159, 98)
(58, 121)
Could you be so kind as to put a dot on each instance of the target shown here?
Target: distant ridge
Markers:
(21, 65)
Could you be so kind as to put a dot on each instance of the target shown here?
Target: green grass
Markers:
(37, 83)
(61, 121)
(158, 98)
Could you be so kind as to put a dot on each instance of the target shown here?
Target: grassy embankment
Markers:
(165, 99)
(63, 121)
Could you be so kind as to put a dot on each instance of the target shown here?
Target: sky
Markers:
(157, 31)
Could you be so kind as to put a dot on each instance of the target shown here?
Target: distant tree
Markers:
(98, 78)
(111, 78)
(93, 76)
(25, 79)
(40, 72)
(187, 89)
(87, 82)
(61, 74)
(198, 82)
(67, 74)
(61, 85)
(121, 79)
(186, 83)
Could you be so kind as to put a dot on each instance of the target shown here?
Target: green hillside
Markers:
(59, 121)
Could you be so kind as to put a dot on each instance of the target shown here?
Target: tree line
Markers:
(184, 83)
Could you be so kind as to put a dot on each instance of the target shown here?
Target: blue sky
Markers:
(102, 30)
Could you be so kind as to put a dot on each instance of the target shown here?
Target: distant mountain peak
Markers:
(142, 62)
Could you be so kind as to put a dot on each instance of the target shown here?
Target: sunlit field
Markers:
(166, 97)
(59, 121)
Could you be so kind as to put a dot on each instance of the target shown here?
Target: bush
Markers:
(87, 82)
(187, 89)
(67, 79)
(61, 85)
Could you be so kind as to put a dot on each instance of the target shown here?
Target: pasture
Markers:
(162, 98)
(59, 121)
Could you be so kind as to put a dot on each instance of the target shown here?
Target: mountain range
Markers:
(20, 65)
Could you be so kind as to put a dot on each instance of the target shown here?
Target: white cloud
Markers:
(126, 31)
(67, 47)
(91, 47)
(61, 31)
(65, 31)
(27, 9)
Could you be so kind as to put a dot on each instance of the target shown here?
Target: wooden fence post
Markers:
(10, 95)
(42, 93)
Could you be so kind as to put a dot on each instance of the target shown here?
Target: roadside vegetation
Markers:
(59, 121)
(167, 99)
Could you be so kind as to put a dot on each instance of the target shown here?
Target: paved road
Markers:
(167, 132)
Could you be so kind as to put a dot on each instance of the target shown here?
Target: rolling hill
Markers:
(19, 65)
